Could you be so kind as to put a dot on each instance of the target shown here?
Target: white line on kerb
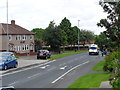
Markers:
(69, 71)
(28, 68)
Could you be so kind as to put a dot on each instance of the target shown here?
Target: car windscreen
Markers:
(93, 48)
(6, 54)
(3, 58)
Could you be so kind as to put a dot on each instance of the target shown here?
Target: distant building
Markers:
(87, 43)
(20, 40)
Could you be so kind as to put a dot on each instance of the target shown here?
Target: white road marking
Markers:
(12, 83)
(69, 71)
(43, 67)
(28, 68)
(47, 65)
(62, 68)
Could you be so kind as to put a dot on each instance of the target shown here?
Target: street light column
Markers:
(78, 34)
(7, 26)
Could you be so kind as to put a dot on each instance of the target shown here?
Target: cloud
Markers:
(38, 13)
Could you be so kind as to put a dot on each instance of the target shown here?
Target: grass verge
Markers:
(99, 66)
(66, 53)
(90, 81)
(17, 56)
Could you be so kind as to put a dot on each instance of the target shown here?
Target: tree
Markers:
(112, 23)
(74, 35)
(103, 41)
(66, 26)
(86, 35)
(53, 37)
(39, 34)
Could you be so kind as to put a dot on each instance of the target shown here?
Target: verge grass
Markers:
(90, 81)
(66, 53)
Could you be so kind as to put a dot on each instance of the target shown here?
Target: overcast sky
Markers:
(38, 13)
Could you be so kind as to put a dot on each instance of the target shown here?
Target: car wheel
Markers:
(16, 65)
(37, 57)
(6, 67)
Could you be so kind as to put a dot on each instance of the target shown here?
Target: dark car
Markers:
(43, 54)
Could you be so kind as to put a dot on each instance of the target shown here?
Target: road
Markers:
(58, 73)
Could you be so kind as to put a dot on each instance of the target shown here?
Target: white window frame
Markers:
(24, 37)
(31, 37)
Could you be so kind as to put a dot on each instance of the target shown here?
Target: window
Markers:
(18, 37)
(23, 47)
(24, 37)
(30, 37)
(10, 37)
(27, 47)
(93, 48)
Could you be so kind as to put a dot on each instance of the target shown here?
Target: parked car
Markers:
(7, 88)
(43, 54)
(7, 60)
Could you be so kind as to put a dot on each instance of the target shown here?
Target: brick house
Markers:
(20, 40)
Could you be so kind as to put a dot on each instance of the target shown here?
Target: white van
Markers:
(93, 49)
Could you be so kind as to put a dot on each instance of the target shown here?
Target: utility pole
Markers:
(78, 35)
(7, 26)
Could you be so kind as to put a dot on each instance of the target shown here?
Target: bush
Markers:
(112, 64)
(116, 83)
(111, 61)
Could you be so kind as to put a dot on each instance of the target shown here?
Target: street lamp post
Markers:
(78, 34)
(7, 25)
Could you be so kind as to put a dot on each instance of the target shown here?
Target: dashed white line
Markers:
(62, 68)
(69, 71)
(34, 75)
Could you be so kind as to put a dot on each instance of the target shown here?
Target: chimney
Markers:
(13, 22)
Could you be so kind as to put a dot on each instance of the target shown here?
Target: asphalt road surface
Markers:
(58, 73)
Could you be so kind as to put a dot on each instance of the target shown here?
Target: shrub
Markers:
(111, 61)
(112, 64)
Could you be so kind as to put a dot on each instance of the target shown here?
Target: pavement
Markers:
(105, 84)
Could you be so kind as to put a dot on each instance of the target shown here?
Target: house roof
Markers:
(14, 29)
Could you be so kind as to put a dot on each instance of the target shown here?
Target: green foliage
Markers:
(112, 23)
(86, 35)
(66, 53)
(99, 66)
(17, 56)
(39, 33)
(53, 36)
(112, 64)
(90, 81)
(71, 32)
(104, 42)
(116, 83)
(111, 61)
